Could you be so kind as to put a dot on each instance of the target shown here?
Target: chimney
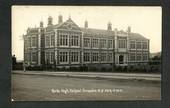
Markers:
(69, 17)
(86, 24)
(50, 21)
(109, 26)
(129, 29)
(60, 19)
(41, 24)
(28, 30)
(116, 30)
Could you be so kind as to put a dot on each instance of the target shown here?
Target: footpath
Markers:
(97, 75)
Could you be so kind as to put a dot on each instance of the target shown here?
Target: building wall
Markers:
(71, 47)
(136, 54)
(31, 47)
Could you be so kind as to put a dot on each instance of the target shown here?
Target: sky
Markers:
(146, 21)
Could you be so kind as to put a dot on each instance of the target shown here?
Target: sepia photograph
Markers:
(86, 53)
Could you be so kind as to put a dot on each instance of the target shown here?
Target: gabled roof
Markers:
(53, 26)
(134, 36)
(97, 31)
(69, 24)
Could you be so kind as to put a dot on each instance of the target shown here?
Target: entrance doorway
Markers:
(121, 58)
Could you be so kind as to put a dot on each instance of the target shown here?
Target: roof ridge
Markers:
(97, 29)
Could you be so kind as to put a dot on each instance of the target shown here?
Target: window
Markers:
(25, 43)
(34, 57)
(121, 43)
(52, 40)
(86, 57)
(132, 57)
(47, 41)
(132, 45)
(110, 56)
(47, 56)
(74, 41)
(138, 57)
(145, 46)
(103, 57)
(63, 56)
(52, 57)
(74, 56)
(29, 42)
(95, 57)
(139, 46)
(27, 57)
(145, 56)
(86, 42)
(103, 43)
(33, 42)
(113, 43)
(110, 44)
(63, 40)
(95, 43)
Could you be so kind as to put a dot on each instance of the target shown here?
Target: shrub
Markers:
(109, 69)
(93, 69)
(63, 69)
(103, 69)
(35, 68)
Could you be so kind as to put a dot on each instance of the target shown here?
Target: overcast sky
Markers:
(144, 20)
